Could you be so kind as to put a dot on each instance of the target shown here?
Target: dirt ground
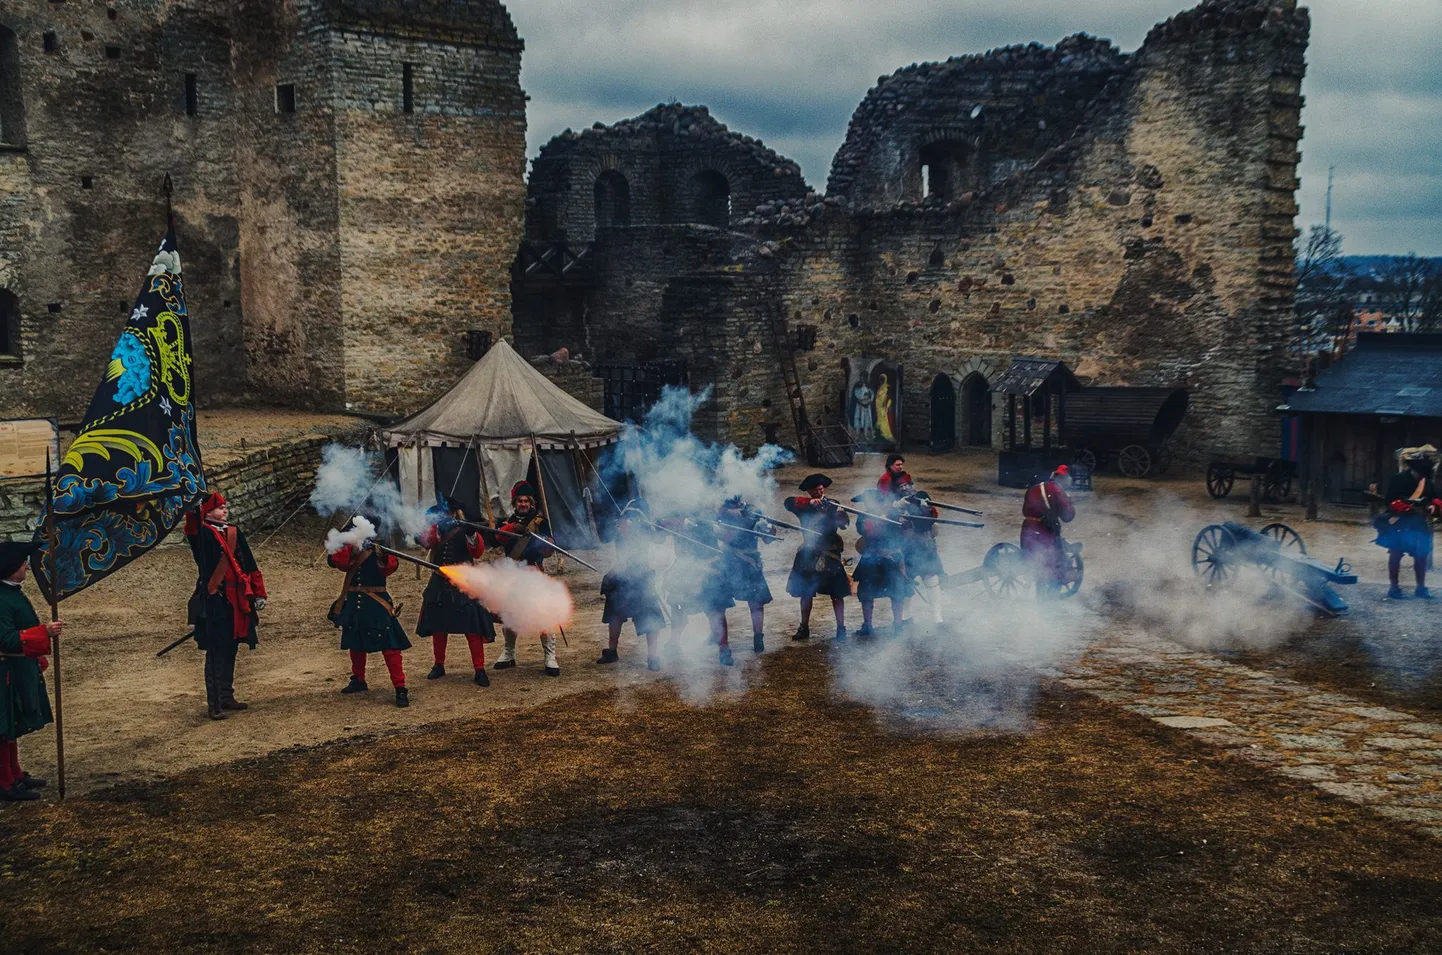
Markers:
(615, 809)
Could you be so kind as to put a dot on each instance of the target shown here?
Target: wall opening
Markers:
(943, 413)
(9, 324)
(285, 98)
(192, 95)
(51, 41)
(408, 88)
(976, 404)
(12, 100)
(613, 200)
(711, 199)
(945, 168)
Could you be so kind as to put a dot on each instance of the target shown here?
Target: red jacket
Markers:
(1048, 504)
(341, 560)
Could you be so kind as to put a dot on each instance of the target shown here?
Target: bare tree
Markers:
(1405, 287)
(1322, 307)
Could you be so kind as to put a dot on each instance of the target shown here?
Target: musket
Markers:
(943, 520)
(177, 643)
(404, 556)
(955, 507)
(870, 517)
(689, 540)
(530, 535)
(736, 527)
(794, 527)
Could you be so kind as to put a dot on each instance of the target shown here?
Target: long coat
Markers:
(444, 609)
(24, 705)
(365, 612)
(226, 614)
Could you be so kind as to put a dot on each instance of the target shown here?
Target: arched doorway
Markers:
(711, 199)
(613, 200)
(943, 414)
(976, 400)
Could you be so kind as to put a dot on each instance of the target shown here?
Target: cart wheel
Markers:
(1162, 460)
(1135, 461)
(1073, 569)
(1279, 489)
(1210, 558)
(1086, 458)
(1006, 571)
(1219, 481)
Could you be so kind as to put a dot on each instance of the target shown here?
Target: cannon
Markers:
(1221, 552)
(1004, 572)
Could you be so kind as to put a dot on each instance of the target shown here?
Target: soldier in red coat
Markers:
(525, 535)
(24, 646)
(817, 567)
(229, 593)
(1045, 509)
(894, 476)
(444, 609)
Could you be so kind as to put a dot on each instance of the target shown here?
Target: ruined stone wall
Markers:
(431, 205)
(81, 203)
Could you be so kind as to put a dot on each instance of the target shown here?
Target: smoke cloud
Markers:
(530, 602)
(361, 532)
(351, 481)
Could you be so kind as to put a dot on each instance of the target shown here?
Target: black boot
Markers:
(841, 635)
(437, 671)
(233, 704)
(355, 686)
(17, 794)
(215, 712)
(865, 632)
(758, 642)
(403, 697)
(653, 664)
(803, 632)
(725, 657)
(481, 678)
(608, 655)
(31, 782)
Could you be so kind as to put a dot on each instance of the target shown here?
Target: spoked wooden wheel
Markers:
(1073, 569)
(1006, 571)
(1279, 489)
(1287, 538)
(1087, 458)
(1219, 481)
(1135, 461)
(1210, 555)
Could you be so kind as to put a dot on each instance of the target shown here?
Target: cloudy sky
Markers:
(791, 73)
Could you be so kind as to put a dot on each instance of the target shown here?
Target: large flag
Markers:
(134, 468)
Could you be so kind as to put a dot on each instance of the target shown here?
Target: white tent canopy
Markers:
(495, 412)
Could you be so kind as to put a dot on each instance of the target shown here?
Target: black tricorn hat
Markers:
(815, 480)
(13, 554)
(522, 489)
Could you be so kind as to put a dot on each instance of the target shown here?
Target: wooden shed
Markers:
(1385, 395)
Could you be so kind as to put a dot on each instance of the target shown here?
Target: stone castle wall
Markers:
(313, 276)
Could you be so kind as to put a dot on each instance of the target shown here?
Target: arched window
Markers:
(12, 103)
(9, 324)
(711, 199)
(613, 200)
(944, 170)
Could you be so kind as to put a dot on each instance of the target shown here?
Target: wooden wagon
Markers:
(1277, 474)
(1127, 426)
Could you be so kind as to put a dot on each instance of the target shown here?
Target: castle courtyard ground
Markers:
(1148, 767)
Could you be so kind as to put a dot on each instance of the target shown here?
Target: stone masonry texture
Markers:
(1128, 213)
(335, 256)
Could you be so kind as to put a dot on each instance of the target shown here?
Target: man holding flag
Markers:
(134, 469)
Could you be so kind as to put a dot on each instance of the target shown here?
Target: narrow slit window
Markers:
(112, 52)
(192, 95)
(408, 88)
(285, 98)
(9, 324)
(52, 42)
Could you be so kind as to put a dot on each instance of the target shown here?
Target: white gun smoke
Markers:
(347, 481)
(360, 533)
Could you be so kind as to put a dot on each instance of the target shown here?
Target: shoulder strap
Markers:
(350, 576)
(227, 560)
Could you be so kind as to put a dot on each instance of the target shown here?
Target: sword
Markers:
(176, 644)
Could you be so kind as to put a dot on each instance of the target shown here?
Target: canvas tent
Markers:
(494, 417)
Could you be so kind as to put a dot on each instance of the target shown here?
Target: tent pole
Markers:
(541, 481)
(577, 456)
(485, 486)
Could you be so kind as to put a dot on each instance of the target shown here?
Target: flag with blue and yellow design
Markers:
(134, 468)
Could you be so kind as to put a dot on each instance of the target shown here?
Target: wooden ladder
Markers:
(791, 377)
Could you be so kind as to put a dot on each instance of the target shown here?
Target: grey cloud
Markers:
(791, 74)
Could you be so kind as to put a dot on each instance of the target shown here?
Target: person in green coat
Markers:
(366, 615)
(24, 648)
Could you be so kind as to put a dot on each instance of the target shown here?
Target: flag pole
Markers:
(51, 544)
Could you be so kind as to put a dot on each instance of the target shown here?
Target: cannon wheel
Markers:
(1279, 488)
(1006, 571)
(1072, 562)
(1219, 481)
(1135, 461)
(1086, 458)
(1209, 559)
(1288, 539)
